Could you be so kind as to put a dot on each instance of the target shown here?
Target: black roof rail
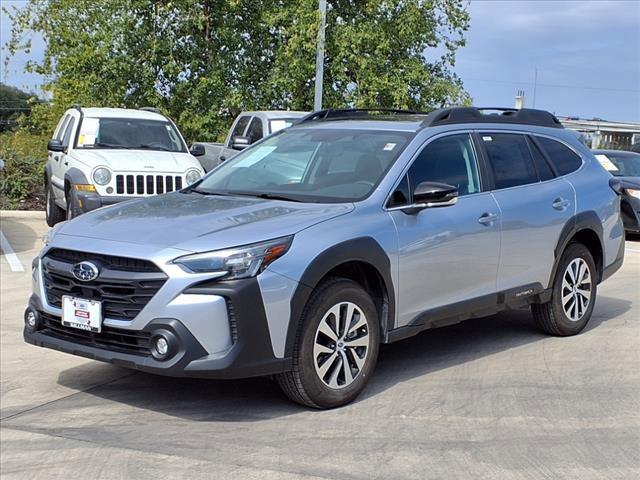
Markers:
(345, 113)
(524, 116)
(77, 106)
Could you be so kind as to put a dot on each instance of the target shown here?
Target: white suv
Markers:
(100, 156)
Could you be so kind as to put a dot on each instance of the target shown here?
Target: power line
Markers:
(584, 87)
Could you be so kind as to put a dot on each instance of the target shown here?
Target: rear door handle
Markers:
(487, 218)
(560, 204)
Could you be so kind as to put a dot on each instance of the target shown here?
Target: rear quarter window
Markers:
(562, 157)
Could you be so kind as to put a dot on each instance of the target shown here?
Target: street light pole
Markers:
(317, 98)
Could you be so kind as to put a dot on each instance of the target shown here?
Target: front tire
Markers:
(573, 295)
(53, 213)
(336, 348)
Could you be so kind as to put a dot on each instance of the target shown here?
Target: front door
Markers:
(447, 254)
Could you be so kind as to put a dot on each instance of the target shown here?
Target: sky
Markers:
(586, 53)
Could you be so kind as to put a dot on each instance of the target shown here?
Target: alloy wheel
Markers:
(341, 345)
(576, 289)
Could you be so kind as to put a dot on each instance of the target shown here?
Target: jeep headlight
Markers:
(239, 262)
(634, 192)
(192, 176)
(101, 176)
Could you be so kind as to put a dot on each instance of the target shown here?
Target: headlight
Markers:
(192, 176)
(634, 193)
(239, 262)
(101, 176)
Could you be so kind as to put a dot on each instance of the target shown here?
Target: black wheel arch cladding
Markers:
(362, 249)
(583, 222)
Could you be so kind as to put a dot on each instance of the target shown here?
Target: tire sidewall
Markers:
(572, 252)
(336, 292)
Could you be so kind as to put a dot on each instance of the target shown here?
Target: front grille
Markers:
(124, 286)
(127, 341)
(108, 261)
(147, 184)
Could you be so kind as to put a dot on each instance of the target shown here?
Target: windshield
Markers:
(281, 123)
(129, 133)
(621, 165)
(325, 166)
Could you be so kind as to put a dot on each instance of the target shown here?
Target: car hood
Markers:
(194, 222)
(138, 160)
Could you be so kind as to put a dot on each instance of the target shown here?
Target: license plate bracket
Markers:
(82, 314)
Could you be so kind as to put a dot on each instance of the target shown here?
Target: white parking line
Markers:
(9, 254)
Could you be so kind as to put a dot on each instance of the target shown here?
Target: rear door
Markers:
(534, 206)
(448, 254)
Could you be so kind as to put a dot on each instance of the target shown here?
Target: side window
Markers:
(67, 133)
(255, 130)
(543, 168)
(510, 159)
(565, 160)
(449, 160)
(238, 130)
(61, 128)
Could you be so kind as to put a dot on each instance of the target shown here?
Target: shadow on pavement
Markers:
(19, 234)
(260, 398)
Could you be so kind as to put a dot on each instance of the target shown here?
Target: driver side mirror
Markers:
(197, 150)
(55, 146)
(432, 194)
(240, 143)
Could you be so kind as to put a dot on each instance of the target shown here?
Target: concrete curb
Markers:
(22, 213)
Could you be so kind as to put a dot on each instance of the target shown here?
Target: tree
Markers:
(203, 61)
(13, 102)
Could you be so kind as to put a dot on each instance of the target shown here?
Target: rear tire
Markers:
(54, 214)
(573, 294)
(336, 347)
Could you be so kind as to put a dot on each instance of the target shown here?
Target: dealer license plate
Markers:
(82, 314)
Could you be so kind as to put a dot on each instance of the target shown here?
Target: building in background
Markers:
(598, 133)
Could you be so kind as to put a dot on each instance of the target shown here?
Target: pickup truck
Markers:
(248, 128)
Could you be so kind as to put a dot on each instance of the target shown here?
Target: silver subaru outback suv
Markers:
(305, 252)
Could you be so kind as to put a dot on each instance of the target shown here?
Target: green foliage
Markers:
(204, 61)
(13, 102)
(24, 154)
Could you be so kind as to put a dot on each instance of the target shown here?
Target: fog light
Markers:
(109, 190)
(31, 319)
(164, 344)
(162, 347)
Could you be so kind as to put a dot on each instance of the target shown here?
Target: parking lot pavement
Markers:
(490, 398)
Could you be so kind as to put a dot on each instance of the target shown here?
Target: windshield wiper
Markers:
(268, 196)
(146, 146)
(206, 192)
(108, 145)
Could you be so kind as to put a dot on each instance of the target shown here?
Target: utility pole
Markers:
(535, 85)
(317, 98)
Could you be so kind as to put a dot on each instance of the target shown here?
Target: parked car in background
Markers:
(100, 156)
(625, 166)
(302, 254)
(247, 128)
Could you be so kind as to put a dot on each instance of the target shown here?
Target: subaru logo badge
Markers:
(86, 271)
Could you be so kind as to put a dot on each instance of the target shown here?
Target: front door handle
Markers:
(560, 204)
(487, 218)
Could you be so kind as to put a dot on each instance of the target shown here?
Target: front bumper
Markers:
(248, 351)
(87, 201)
